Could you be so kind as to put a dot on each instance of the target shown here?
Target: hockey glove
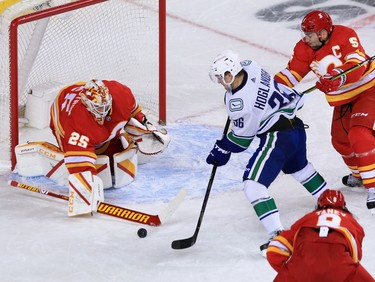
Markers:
(326, 85)
(218, 155)
(141, 117)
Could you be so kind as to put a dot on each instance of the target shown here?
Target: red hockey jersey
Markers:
(79, 136)
(324, 245)
(343, 50)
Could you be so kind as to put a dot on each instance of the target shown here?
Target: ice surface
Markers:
(39, 242)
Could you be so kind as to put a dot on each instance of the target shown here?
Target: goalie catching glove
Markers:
(149, 139)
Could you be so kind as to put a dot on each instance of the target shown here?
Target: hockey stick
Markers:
(117, 211)
(188, 242)
(343, 73)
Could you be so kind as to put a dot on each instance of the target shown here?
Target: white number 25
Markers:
(78, 139)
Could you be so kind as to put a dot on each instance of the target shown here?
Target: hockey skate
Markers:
(371, 200)
(263, 248)
(351, 181)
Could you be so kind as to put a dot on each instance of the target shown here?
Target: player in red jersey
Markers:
(328, 50)
(88, 120)
(325, 245)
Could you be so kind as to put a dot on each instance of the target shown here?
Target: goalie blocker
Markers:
(45, 159)
(85, 193)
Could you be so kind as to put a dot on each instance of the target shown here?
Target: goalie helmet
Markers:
(315, 21)
(227, 61)
(331, 199)
(97, 99)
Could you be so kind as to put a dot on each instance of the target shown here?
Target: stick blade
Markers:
(183, 243)
(173, 205)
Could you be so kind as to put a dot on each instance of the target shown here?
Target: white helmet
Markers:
(226, 61)
(97, 99)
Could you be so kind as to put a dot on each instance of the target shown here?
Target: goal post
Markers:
(46, 45)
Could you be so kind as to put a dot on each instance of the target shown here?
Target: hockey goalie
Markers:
(102, 136)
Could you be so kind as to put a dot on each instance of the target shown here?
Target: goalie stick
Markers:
(117, 211)
(188, 242)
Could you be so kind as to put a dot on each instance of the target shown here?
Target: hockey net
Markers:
(45, 45)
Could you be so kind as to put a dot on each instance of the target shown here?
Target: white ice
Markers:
(39, 242)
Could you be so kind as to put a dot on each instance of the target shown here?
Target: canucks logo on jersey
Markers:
(235, 105)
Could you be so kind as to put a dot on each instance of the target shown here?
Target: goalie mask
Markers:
(97, 99)
(227, 61)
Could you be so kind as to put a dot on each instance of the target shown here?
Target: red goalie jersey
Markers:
(80, 135)
(343, 50)
(324, 245)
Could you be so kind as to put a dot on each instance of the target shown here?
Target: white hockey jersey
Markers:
(258, 103)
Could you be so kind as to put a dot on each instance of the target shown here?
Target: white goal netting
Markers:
(115, 40)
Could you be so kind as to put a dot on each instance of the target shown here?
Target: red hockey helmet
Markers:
(331, 199)
(315, 21)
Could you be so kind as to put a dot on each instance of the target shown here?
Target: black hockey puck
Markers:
(142, 233)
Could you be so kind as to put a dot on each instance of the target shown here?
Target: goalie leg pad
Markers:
(85, 193)
(59, 173)
(103, 169)
(125, 166)
(98, 192)
(37, 158)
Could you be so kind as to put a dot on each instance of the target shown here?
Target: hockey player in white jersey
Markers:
(259, 107)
